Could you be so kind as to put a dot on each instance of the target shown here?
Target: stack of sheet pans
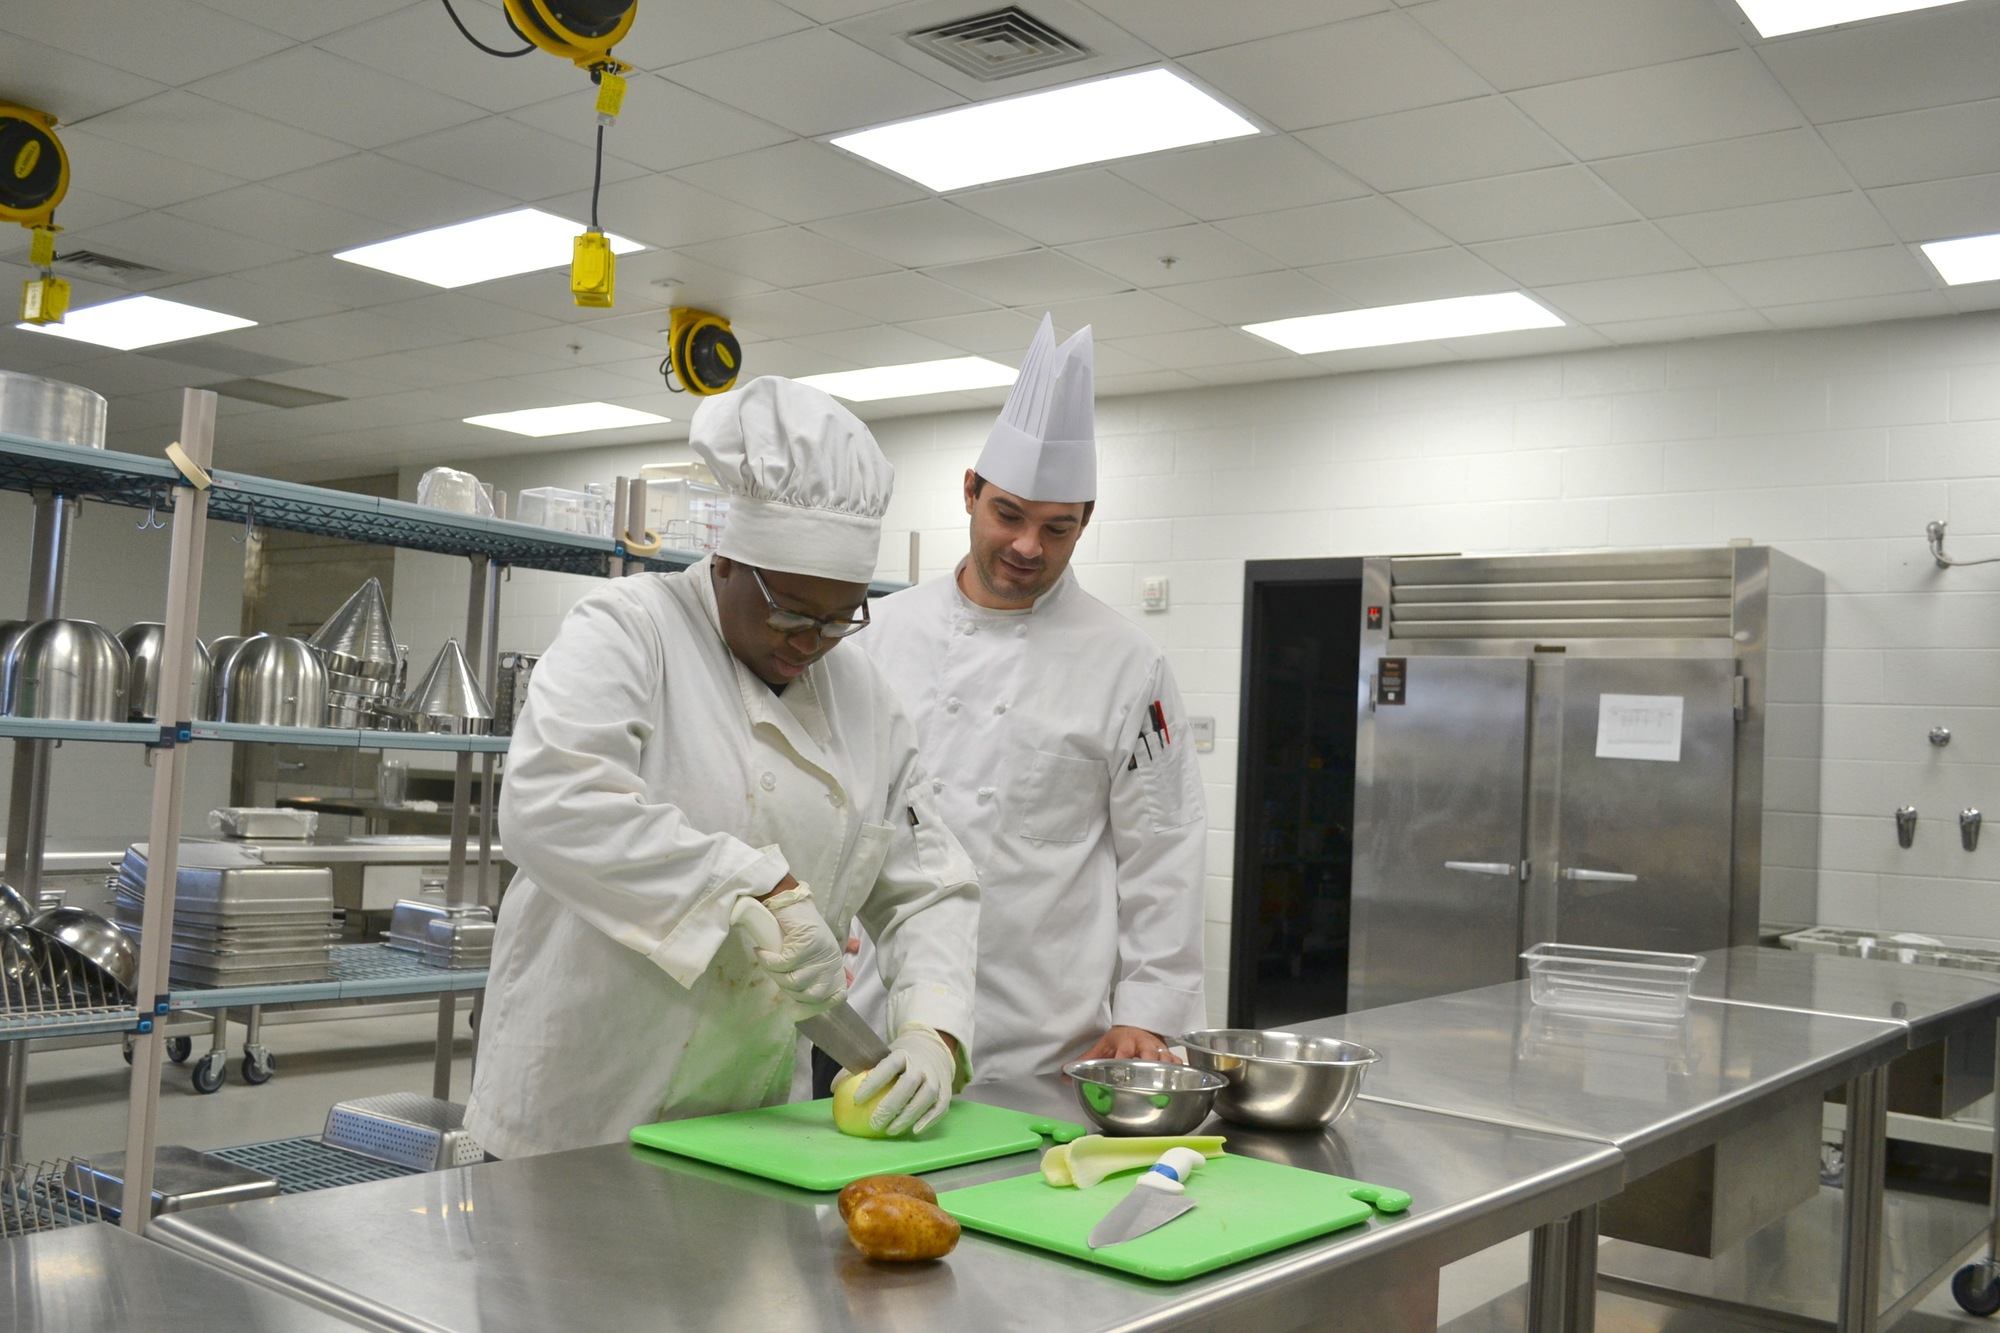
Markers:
(237, 921)
(456, 937)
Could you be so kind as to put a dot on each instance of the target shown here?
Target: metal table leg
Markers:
(1861, 1202)
(1562, 1275)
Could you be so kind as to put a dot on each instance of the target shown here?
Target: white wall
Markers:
(1836, 445)
(102, 794)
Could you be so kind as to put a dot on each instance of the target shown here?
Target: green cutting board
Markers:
(1244, 1207)
(796, 1144)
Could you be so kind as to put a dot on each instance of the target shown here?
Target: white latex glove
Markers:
(807, 962)
(918, 1074)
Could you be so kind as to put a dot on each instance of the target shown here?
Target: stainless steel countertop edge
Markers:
(229, 1257)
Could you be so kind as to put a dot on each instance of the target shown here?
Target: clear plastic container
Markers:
(562, 510)
(1613, 983)
(688, 515)
(459, 492)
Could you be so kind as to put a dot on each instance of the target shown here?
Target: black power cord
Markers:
(489, 50)
(597, 177)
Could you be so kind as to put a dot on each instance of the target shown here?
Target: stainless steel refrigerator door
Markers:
(1440, 832)
(1644, 844)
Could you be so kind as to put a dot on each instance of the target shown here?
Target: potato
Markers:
(902, 1228)
(851, 1117)
(869, 1186)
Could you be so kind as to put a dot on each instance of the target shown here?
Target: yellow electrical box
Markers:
(44, 300)
(610, 96)
(592, 270)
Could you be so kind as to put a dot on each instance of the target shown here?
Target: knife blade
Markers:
(838, 1030)
(1157, 1198)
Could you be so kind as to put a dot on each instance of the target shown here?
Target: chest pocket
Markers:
(857, 877)
(1062, 799)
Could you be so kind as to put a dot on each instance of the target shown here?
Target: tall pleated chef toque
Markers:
(807, 483)
(1044, 446)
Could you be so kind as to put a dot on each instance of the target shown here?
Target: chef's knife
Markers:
(1158, 1197)
(839, 1031)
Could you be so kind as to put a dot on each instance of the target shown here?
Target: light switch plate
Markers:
(1204, 733)
(1153, 592)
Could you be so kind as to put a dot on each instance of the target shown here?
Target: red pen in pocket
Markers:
(1160, 723)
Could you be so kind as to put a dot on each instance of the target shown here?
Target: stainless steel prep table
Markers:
(618, 1236)
(1655, 1094)
(106, 1280)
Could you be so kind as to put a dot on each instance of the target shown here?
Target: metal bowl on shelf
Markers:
(1280, 1080)
(15, 909)
(92, 939)
(73, 670)
(144, 643)
(274, 681)
(1143, 1096)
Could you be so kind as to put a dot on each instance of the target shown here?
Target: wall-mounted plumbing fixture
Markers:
(1968, 829)
(1934, 531)
(1940, 736)
(1906, 826)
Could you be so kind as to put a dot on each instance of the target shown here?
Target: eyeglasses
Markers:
(791, 624)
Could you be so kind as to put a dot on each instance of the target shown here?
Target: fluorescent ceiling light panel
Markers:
(914, 379)
(523, 241)
(1122, 116)
(1419, 321)
(1775, 18)
(139, 321)
(569, 419)
(1968, 259)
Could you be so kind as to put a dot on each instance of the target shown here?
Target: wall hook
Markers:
(152, 522)
(1906, 826)
(249, 526)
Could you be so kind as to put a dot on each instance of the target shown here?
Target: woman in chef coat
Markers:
(692, 740)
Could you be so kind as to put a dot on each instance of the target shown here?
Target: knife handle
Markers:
(1172, 1170)
(759, 923)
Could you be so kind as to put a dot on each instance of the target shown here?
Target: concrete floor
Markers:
(77, 1101)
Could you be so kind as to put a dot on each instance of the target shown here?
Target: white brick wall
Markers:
(1837, 445)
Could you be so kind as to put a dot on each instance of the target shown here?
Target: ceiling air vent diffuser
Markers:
(108, 268)
(999, 45)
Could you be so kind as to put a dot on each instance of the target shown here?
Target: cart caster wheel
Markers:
(1977, 1290)
(209, 1073)
(258, 1069)
(178, 1049)
(128, 1050)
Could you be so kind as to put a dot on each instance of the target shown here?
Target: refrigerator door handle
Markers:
(1599, 876)
(1503, 868)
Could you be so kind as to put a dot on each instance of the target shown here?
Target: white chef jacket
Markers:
(1088, 842)
(652, 781)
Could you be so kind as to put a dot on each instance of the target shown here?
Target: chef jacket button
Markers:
(968, 628)
(986, 793)
(937, 784)
(999, 708)
(835, 799)
(951, 705)
(769, 782)
(1020, 631)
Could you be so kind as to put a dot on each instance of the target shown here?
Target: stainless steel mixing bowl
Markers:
(1143, 1096)
(144, 643)
(93, 939)
(274, 681)
(15, 909)
(1280, 1080)
(68, 669)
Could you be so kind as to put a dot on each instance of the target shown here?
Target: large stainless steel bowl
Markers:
(94, 940)
(1143, 1096)
(275, 681)
(1280, 1080)
(68, 669)
(14, 908)
(144, 644)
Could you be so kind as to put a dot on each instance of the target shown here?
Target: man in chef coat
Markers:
(693, 744)
(1054, 736)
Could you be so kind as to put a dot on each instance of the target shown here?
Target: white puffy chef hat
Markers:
(1044, 446)
(807, 483)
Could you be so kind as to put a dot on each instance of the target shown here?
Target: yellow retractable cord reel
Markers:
(701, 353)
(583, 33)
(34, 177)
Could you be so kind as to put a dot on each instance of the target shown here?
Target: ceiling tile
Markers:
(669, 277)
(238, 296)
(451, 363)
(1620, 250)
(136, 175)
(342, 381)
(1364, 67)
(574, 345)
(832, 11)
(1938, 57)
(418, 44)
(1652, 296)
(1664, 106)
(877, 345)
(1038, 278)
(1674, 328)
(171, 41)
(1760, 168)
(696, 28)
(1199, 252)
(1229, 180)
(801, 181)
(1256, 296)
(272, 216)
(1428, 275)
(791, 360)
(1329, 233)
(987, 332)
(304, 20)
(509, 159)
(662, 126)
(65, 84)
(1182, 27)
(1524, 204)
(1200, 347)
(178, 245)
(1125, 315)
(788, 257)
(1073, 206)
(466, 316)
(1522, 43)
(1875, 272)
(83, 209)
(222, 138)
(893, 298)
(407, 198)
(1962, 140)
(544, 293)
(1773, 231)
(317, 91)
(789, 315)
(1858, 310)
(1483, 136)
(921, 234)
(662, 211)
(1935, 210)
(814, 82)
(328, 279)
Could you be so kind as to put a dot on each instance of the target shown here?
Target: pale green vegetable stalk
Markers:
(1094, 1157)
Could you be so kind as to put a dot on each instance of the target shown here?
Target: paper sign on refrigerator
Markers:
(1639, 726)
